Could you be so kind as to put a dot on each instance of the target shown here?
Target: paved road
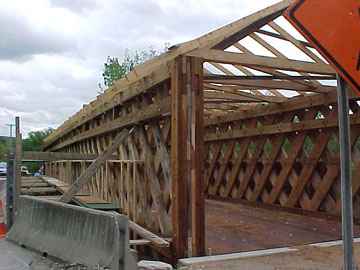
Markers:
(13, 257)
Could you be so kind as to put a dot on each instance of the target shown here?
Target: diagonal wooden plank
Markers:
(85, 177)
(153, 238)
(296, 42)
(297, 144)
(276, 143)
(307, 171)
(329, 178)
(216, 155)
(164, 159)
(279, 54)
(214, 189)
(269, 70)
(155, 188)
(134, 154)
(251, 166)
(236, 169)
(286, 169)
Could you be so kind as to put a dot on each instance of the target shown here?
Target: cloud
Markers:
(75, 5)
(52, 51)
(49, 90)
(19, 41)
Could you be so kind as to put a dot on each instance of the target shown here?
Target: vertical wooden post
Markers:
(10, 187)
(17, 164)
(179, 167)
(107, 181)
(134, 193)
(82, 169)
(122, 193)
(197, 158)
(68, 172)
(46, 168)
(128, 190)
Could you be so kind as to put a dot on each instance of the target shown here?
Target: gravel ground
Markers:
(13, 257)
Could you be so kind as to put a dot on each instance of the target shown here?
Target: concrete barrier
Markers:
(74, 234)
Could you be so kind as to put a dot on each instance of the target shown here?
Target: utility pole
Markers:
(10, 180)
(10, 141)
(17, 164)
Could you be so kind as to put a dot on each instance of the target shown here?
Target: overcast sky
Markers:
(52, 51)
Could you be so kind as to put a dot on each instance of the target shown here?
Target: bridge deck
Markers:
(52, 189)
(238, 227)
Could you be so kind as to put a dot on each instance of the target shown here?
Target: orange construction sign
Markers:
(2, 224)
(333, 28)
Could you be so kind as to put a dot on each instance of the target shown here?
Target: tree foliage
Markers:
(35, 140)
(3, 149)
(115, 70)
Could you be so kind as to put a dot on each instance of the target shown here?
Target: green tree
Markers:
(115, 70)
(34, 142)
(3, 150)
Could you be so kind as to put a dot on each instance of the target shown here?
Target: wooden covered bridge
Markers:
(235, 146)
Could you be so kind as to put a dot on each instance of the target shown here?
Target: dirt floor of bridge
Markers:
(235, 227)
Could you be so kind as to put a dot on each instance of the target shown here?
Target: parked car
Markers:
(3, 168)
(24, 171)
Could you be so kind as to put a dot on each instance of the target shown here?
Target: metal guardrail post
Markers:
(345, 162)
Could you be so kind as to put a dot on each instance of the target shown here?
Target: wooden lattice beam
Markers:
(89, 172)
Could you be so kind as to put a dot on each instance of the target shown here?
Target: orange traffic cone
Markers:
(2, 224)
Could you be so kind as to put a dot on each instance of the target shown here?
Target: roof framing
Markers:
(235, 78)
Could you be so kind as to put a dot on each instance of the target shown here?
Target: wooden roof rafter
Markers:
(300, 77)
(234, 93)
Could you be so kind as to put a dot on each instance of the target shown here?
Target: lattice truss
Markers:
(270, 122)
(139, 181)
(289, 158)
